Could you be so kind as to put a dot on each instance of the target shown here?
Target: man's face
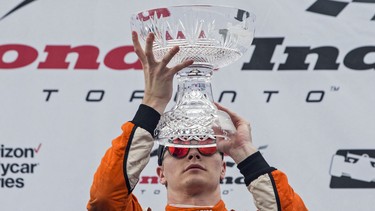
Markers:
(195, 171)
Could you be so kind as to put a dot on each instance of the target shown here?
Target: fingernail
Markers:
(134, 34)
(175, 48)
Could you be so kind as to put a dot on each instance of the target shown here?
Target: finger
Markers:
(235, 118)
(220, 107)
(138, 48)
(148, 49)
(223, 145)
(168, 57)
(181, 66)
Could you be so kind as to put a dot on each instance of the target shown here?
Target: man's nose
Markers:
(194, 154)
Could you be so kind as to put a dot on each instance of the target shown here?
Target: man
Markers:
(191, 176)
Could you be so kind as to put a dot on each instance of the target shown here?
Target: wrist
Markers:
(253, 167)
(240, 154)
(158, 105)
(147, 118)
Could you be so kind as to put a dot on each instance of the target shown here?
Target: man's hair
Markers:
(160, 154)
(162, 149)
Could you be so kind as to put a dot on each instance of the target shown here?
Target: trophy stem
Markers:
(195, 119)
(194, 88)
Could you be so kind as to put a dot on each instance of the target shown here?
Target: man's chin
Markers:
(196, 181)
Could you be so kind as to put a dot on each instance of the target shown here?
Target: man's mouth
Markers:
(195, 167)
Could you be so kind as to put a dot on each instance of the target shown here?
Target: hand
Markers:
(240, 145)
(158, 77)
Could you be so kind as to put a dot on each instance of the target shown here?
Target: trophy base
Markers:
(195, 120)
(196, 134)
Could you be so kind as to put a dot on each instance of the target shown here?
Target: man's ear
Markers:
(160, 172)
(223, 170)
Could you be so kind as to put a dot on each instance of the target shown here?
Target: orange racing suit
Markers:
(121, 166)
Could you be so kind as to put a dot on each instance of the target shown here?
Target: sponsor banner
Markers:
(69, 79)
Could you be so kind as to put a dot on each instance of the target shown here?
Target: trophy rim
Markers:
(147, 20)
(252, 16)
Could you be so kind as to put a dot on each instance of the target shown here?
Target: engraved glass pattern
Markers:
(212, 36)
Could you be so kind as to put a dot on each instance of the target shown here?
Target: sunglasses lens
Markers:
(178, 152)
(207, 150)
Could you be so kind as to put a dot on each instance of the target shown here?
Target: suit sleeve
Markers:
(269, 186)
(122, 164)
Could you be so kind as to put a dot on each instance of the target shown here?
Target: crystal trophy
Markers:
(212, 36)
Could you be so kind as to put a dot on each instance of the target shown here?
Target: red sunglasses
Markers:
(180, 152)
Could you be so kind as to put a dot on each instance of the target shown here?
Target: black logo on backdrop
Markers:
(19, 6)
(334, 8)
(353, 169)
(16, 163)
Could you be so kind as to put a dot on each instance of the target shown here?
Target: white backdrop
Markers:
(307, 114)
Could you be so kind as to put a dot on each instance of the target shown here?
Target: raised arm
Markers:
(270, 187)
(119, 170)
